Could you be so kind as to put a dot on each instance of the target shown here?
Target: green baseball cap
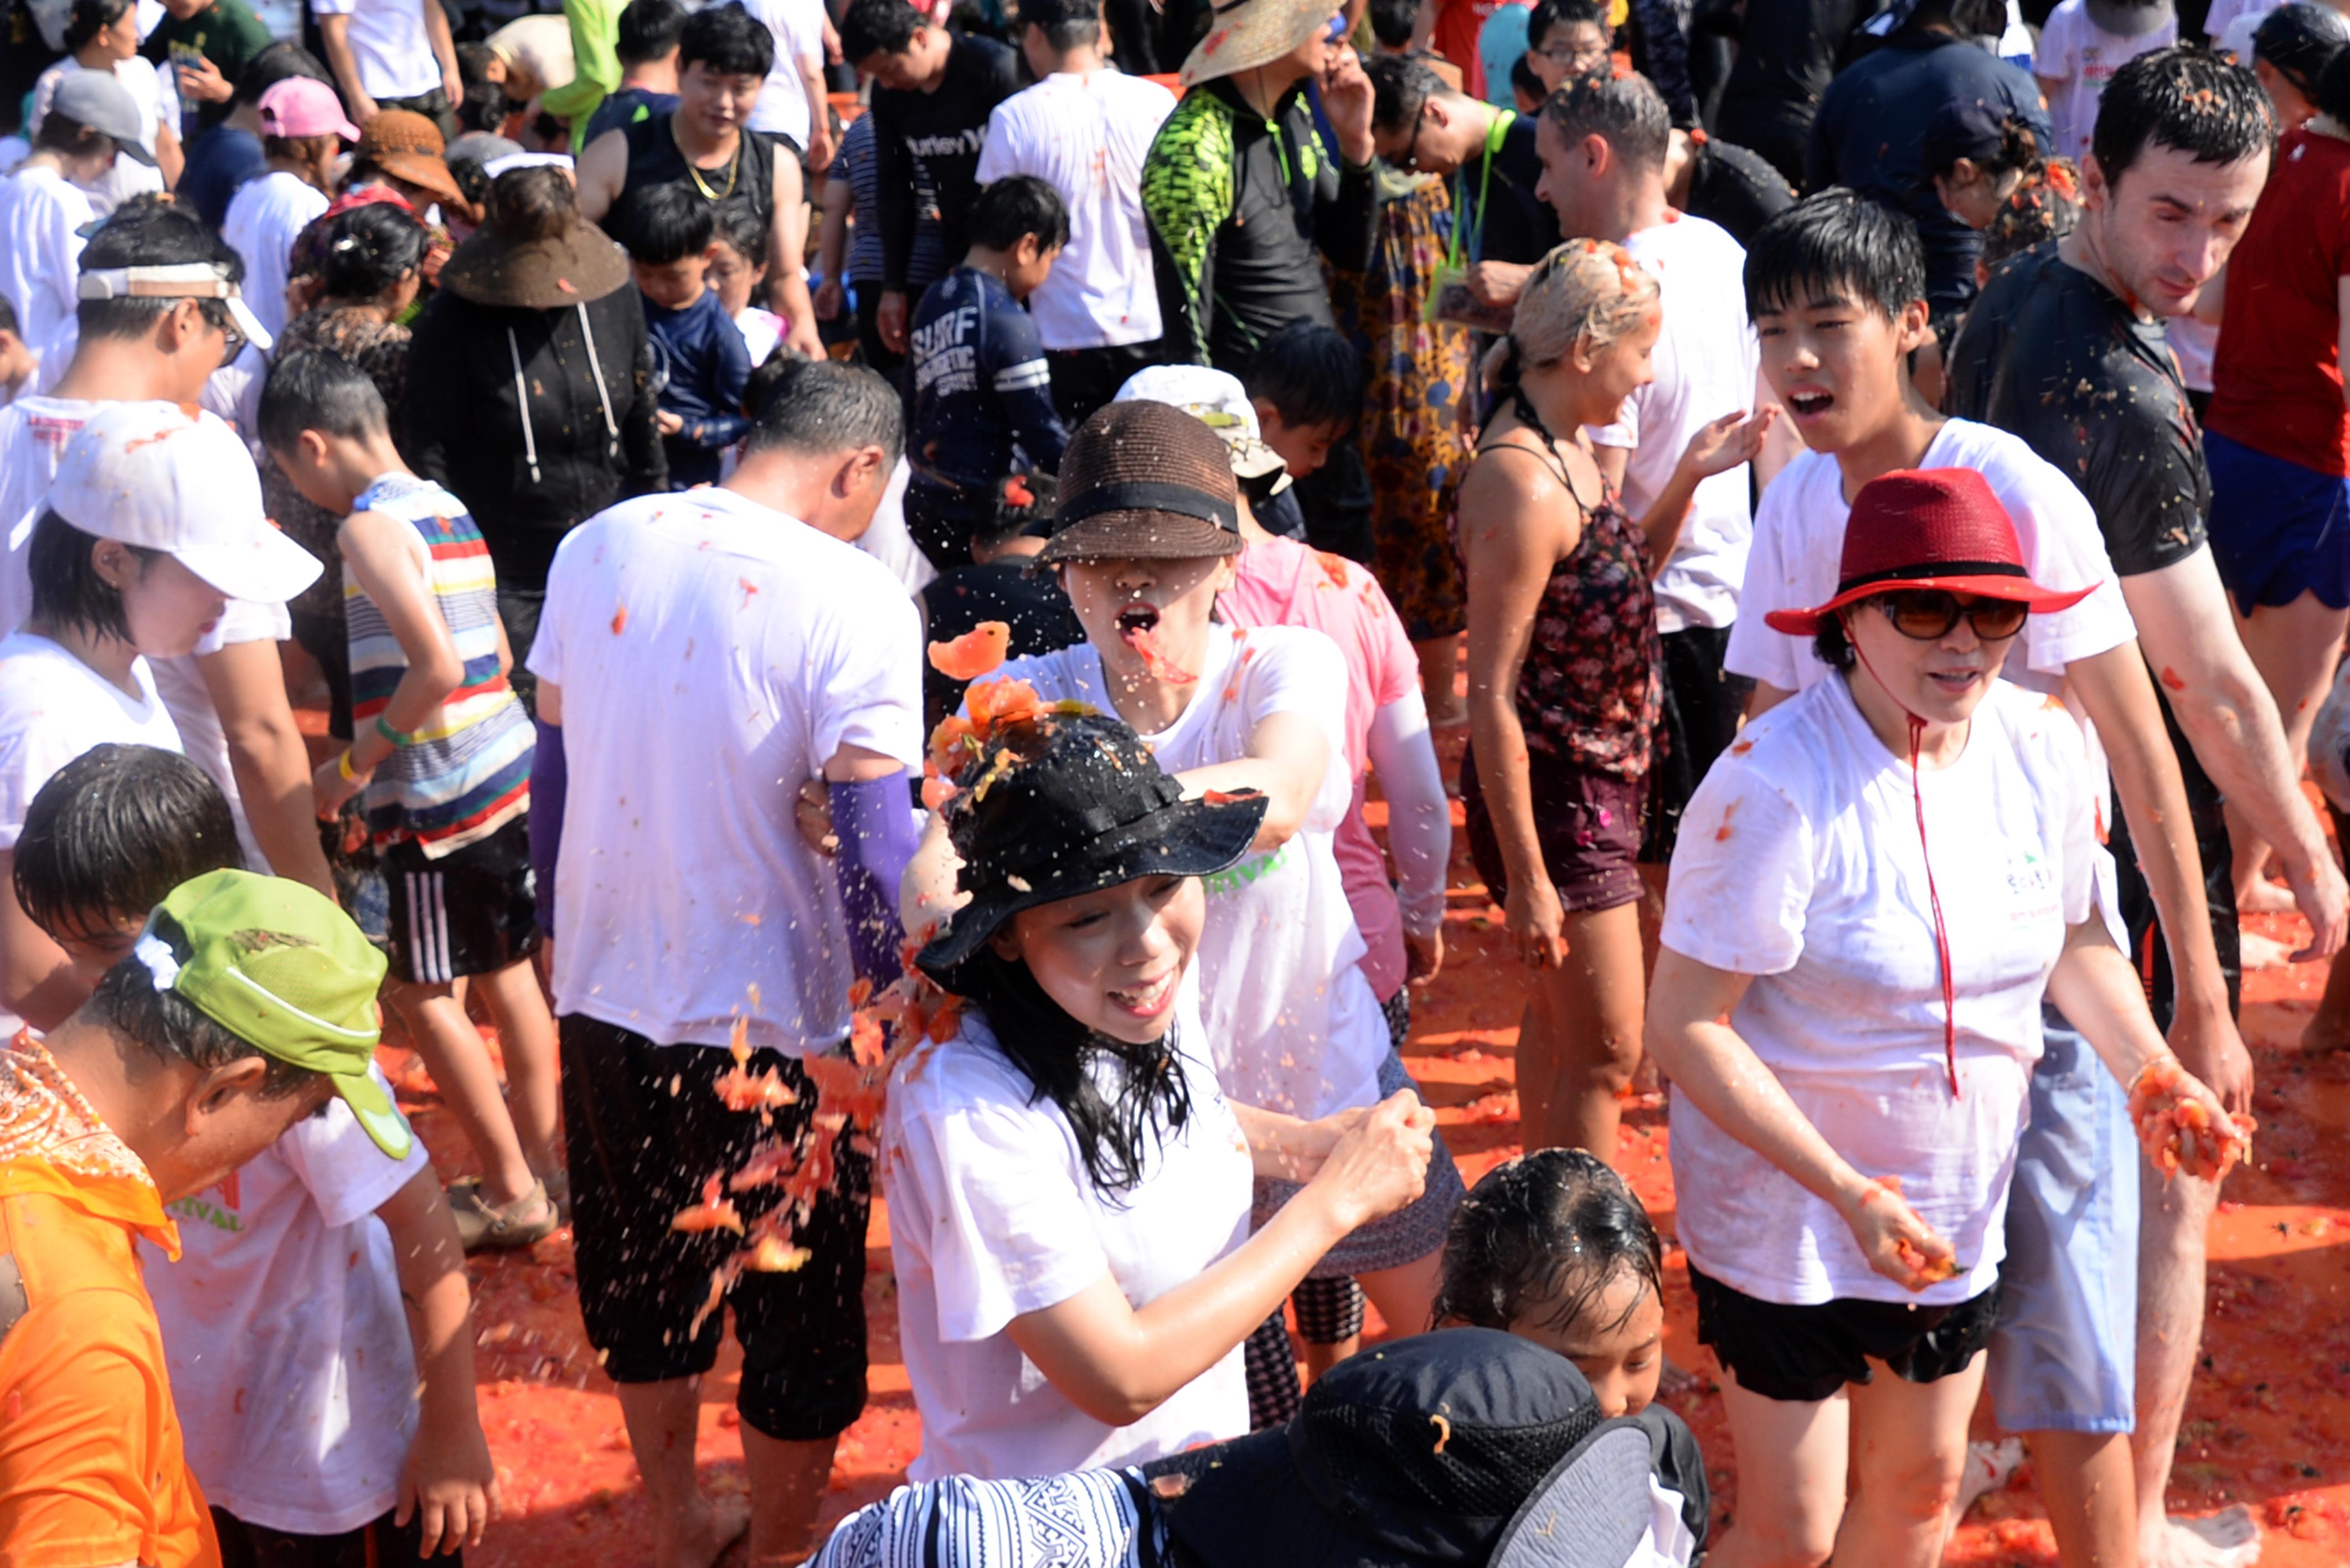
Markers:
(277, 965)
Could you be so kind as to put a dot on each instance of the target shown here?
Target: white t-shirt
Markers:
(2084, 56)
(1805, 870)
(1292, 1025)
(889, 541)
(289, 1353)
(41, 219)
(181, 684)
(1706, 360)
(264, 218)
(2225, 14)
(782, 106)
(713, 655)
(992, 1216)
(34, 433)
(393, 49)
(1085, 135)
(153, 92)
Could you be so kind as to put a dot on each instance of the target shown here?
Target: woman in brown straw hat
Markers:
(530, 378)
(1874, 890)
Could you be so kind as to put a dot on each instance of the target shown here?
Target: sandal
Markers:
(485, 1227)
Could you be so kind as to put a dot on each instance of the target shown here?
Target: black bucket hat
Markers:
(1438, 1449)
(1065, 804)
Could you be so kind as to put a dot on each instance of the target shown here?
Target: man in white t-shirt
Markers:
(792, 104)
(393, 54)
(702, 657)
(139, 342)
(90, 121)
(1084, 130)
(1603, 141)
(1834, 347)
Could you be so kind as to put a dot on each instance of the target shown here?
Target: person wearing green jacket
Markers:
(594, 30)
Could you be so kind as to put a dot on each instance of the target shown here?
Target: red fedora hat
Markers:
(1930, 528)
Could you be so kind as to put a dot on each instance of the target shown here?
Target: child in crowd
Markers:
(1526, 86)
(338, 1429)
(18, 362)
(1305, 382)
(707, 363)
(443, 760)
(982, 388)
(999, 585)
(738, 276)
(302, 131)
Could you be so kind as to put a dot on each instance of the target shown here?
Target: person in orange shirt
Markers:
(246, 1002)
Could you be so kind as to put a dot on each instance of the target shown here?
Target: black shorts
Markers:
(644, 1129)
(1702, 703)
(1803, 1355)
(470, 912)
(379, 1544)
(1587, 824)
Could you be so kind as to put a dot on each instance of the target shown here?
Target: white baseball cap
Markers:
(166, 477)
(1217, 399)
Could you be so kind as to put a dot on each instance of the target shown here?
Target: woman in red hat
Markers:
(1874, 890)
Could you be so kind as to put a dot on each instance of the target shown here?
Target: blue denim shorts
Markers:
(2065, 1357)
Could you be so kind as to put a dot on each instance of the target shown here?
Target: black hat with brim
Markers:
(1422, 1451)
(1065, 804)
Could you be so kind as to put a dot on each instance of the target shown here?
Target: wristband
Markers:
(384, 727)
(343, 767)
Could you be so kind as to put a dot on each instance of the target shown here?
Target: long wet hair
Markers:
(1121, 1099)
(1542, 1237)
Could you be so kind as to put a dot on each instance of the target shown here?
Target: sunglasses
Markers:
(1925, 614)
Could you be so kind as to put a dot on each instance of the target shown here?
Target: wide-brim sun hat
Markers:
(1144, 481)
(578, 266)
(1059, 804)
(1246, 33)
(1930, 528)
(1440, 1449)
(408, 146)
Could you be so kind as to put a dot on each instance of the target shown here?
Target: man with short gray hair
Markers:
(704, 656)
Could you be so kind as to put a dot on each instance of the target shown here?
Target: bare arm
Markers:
(1288, 756)
(832, 251)
(444, 50)
(788, 290)
(168, 160)
(1118, 1362)
(449, 1474)
(1423, 24)
(819, 151)
(603, 170)
(1718, 446)
(335, 36)
(267, 754)
(384, 555)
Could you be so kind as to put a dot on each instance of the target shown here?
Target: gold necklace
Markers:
(733, 165)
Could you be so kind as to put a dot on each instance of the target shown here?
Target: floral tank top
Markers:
(1591, 689)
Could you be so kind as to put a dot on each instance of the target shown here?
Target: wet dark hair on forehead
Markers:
(1837, 240)
(1628, 111)
(668, 224)
(727, 39)
(1311, 374)
(871, 27)
(649, 29)
(1549, 13)
(1542, 1237)
(2186, 99)
(1009, 210)
(1401, 86)
(115, 830)
(314, 389)
(1393, 21)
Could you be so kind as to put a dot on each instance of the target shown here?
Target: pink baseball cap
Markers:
(301, 106)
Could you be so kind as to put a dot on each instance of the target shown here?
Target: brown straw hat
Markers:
(1144, 481)
(536, 252)
(408, 146)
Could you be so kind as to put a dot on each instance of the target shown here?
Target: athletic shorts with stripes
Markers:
(469, 912)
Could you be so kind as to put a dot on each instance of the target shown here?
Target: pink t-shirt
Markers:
(1283, 583)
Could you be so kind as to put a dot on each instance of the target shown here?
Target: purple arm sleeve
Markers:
(875, 824)
(548, 775)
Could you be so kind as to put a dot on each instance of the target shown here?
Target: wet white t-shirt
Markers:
(291, 1366)
(41, 221)
(1799, 864)
(264, 218)
(1292, 1025)
(992, 1216)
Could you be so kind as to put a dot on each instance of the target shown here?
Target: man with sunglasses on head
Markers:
(159, 318)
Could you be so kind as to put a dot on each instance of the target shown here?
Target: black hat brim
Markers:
(1246, 1507)
(1189, 839)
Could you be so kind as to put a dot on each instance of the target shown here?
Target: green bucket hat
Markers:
(279, 967)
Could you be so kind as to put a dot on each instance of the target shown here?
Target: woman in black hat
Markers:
(1070, 1192)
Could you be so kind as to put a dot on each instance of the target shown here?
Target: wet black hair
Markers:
(91, 17)
(476, 61)
(1542, 1237)
(1311, 374)
(1011, 209)
(821, 408)
(728, 40)
(649, 29)
(2333, 88)
(1833, 241)
(870, 27)
(1066, 23)
(1549, 13)
(1834, 644)
(115, 830)
(1148, 1098)
(312, 390)
(668, 224)
(2182, 97)
(2298, 40)
(1401, 86)
(1393, 22)
(281, 61)
(368, 249)
(2018, 149)
(128, 1002)
(485, 107)
(1523, 79)
(1627, 110)
(744, 228)
(66, 589)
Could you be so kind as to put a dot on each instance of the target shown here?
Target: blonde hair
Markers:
(1588, 291)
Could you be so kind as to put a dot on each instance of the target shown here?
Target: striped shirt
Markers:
(466, 771)
(864, 264)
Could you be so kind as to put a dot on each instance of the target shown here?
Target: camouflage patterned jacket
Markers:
(1237, 207)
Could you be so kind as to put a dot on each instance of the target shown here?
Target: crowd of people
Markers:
(866, 572)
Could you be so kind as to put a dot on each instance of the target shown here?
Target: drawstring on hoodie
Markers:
(603, 395)
(522, 406)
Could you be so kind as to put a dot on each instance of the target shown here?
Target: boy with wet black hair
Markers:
(1305, 382)
(707, 360)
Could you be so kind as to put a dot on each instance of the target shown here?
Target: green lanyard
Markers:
(1500, 129)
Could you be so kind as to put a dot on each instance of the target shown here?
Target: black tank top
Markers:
(654, 161)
